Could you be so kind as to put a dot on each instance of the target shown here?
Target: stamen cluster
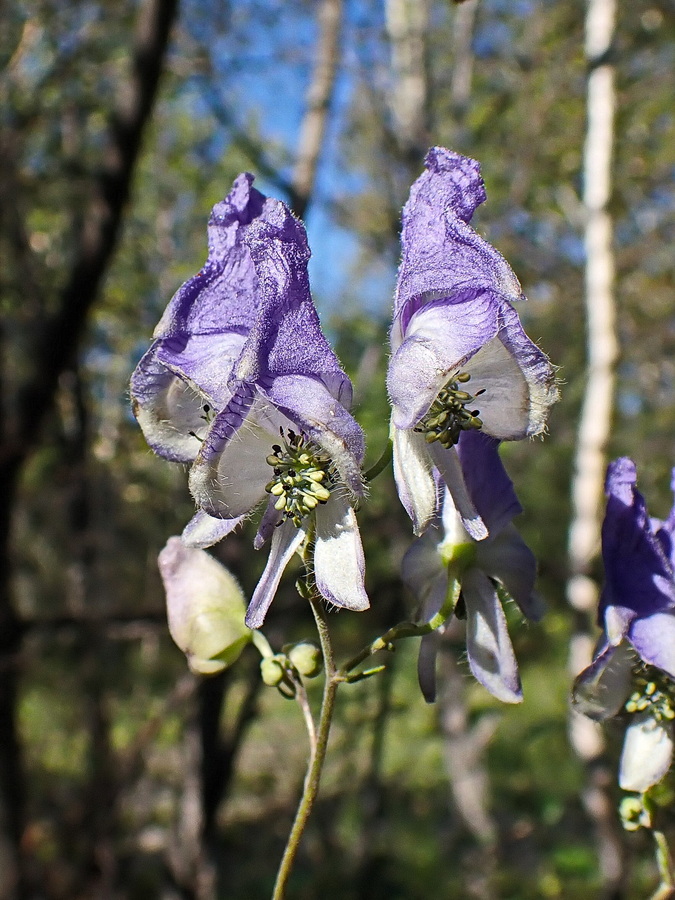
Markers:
(448, 416)
(303, 476)
(654, 691)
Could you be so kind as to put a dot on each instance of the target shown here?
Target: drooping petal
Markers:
(339, 564)
(647, 753)
(415, 482)
(285, 541)
(204, 531)
(426, 665)
(422, 565)
(447, 462)
(509, 560)
(488, 645)
(603, 687)
(487, 481)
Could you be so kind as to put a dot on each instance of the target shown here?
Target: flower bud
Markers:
(205, 607)
(306, 657)
(271, 670)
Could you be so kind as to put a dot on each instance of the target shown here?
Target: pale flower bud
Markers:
(307, 659)
(205, 607)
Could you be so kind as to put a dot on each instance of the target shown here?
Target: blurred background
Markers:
(122, 123)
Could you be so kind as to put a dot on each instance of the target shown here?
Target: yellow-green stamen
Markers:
(303, 476)
(653, 691)
(448, 416)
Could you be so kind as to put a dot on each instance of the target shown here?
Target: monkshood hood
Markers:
(460, 357)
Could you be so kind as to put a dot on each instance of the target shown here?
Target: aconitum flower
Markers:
(460, 358)
(285, 434)
(182, 381)
(633, 670)
(487, 571)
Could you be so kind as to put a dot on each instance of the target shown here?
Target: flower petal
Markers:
(229, 475)
(487, 481)
(339, 565)
(320, 417)
(654, 639)
(488, 645)
(639, 579)
(285, 541)
(507, 558)
(603, 687)
(426, 665)
(647, 753)
(204, 531)
(448, 464)
(415, 482)
(169, 410)
(438, 341)
(441, 252)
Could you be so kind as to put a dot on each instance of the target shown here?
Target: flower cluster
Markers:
(241, 384)
(633, 669)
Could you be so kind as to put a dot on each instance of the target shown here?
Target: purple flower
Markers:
(182, 380)
(285, 434)
(633, 668)
(502, 564)
(460, 358)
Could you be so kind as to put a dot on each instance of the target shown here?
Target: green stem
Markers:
(317, 751)
(664, 862)
(381, 463)
(404, 630)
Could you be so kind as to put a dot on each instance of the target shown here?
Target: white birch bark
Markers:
(596, 413)
(318, 99)
(407, 22)
(595, 420)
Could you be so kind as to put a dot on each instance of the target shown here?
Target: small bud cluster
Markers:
(448, 416)
(301, 659)
(303, 476)
(653, 691)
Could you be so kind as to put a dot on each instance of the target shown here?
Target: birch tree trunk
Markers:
(595, 421)
(407, 23)
(318, 99)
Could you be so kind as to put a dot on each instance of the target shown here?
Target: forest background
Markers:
(122, 123)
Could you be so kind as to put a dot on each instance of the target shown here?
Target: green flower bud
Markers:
(307, 659)
(205, 606)
(271, 670)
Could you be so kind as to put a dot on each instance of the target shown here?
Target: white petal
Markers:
(339, 565)
(505, 406)
(647, 753)
(414, 479)
(448, 464)
(488, 645)
(285, 541)
(204, 531)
